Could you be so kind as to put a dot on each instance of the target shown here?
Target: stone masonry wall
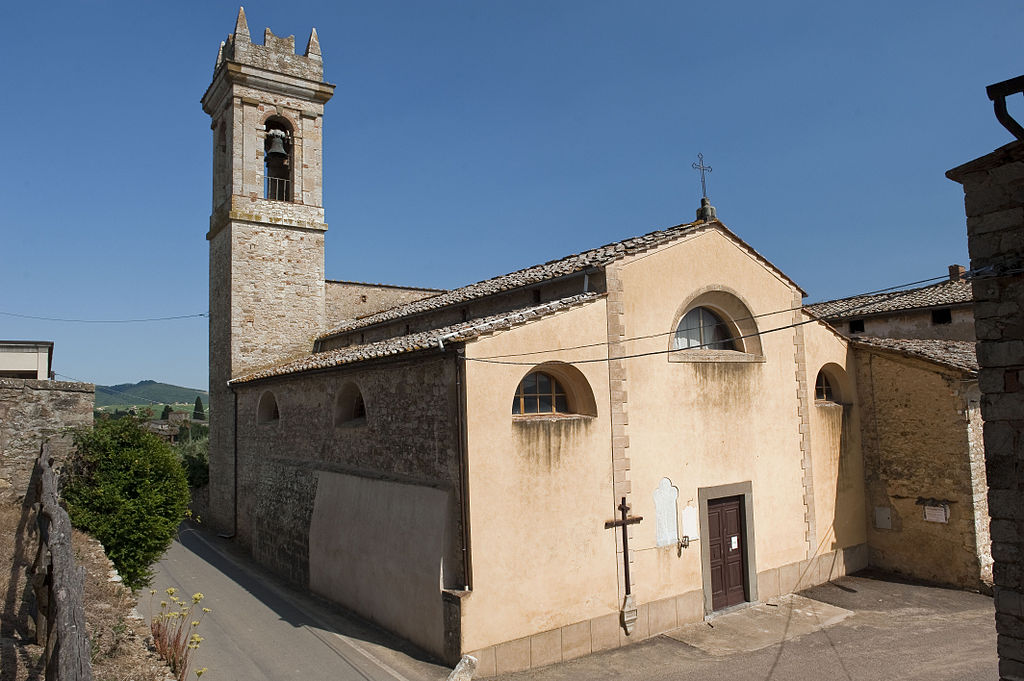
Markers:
(994, 201)
(916, 445)
(351, 300)
(409, 435)
(31, 412)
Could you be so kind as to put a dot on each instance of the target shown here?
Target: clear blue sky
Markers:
(467, 139)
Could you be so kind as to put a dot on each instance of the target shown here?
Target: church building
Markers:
(555, 461)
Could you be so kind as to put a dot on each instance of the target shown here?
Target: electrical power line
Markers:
(497, 359)
(105, 321)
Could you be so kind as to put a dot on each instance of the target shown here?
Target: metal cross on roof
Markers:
(702, 168)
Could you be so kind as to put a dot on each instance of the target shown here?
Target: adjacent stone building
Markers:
(994, 199)
(34, 410)
(924, 457)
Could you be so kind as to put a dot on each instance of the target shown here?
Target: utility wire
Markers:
(734, 319)
(105, 321)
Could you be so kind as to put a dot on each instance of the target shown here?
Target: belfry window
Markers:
(704, 329)
(540, 393)
(277, 161)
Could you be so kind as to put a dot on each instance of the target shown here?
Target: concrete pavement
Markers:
(863, 627)
(857, 628)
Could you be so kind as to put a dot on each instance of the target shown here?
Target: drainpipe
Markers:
(998, 94)
(467, 561)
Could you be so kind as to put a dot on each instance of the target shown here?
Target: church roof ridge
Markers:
(942, 293)
(535, 274)
(956, 354)
(421, 340)
(383, 285)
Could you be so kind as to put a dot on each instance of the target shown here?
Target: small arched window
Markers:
(540, 393)
(349, 409)
(277, 160)
(267, 411)
(702, 328)
(823, 391)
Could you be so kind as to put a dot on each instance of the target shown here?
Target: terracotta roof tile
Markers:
(957, 354)
(577, 262)
(421, 340)
(944, 293)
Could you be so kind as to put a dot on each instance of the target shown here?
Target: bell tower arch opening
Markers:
(277, 160)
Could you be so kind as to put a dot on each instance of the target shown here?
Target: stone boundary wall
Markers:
(32, 412)
(655, 618)
(994, 203)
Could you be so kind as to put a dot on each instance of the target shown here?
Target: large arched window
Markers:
(540, 393)
(703, 328)
(277, 160)
(267, 411)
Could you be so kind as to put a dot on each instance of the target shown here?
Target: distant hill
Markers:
(145, 393)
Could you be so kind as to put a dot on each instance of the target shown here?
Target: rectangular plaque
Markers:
(936, 514)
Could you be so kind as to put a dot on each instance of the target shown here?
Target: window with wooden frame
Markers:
(540, 393)
(823, 391)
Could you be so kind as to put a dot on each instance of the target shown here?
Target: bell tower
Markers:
(266, 105)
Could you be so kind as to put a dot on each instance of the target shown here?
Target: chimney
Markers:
(956, 272)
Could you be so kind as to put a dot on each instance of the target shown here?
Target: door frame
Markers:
(706, 494)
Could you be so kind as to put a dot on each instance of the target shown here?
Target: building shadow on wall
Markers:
(291, 605)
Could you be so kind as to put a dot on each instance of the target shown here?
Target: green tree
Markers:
(198, 414)
(127, 488)
(167, 412)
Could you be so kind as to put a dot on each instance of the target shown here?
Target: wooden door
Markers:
(725, 544)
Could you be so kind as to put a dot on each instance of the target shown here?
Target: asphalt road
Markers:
(261, 630)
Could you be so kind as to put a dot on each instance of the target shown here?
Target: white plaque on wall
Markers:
(937, 514)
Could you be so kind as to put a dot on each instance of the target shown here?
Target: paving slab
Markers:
(760, 625)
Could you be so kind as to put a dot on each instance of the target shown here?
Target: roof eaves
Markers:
(432, 339)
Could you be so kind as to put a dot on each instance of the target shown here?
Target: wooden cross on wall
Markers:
(624, 522)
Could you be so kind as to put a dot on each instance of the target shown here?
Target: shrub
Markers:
(195, 459)
(127, 488)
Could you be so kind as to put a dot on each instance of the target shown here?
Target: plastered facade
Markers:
(917, 324)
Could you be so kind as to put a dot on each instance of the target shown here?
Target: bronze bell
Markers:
(276, 152)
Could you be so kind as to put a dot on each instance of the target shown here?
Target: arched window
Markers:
(267, 411)
(702, 328)
(540, 393)
(277, 160)
(827, 386)
(349, 408)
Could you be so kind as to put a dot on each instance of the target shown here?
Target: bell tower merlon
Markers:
(266, 233)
